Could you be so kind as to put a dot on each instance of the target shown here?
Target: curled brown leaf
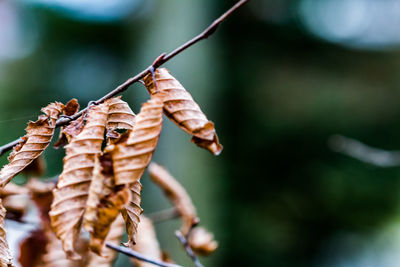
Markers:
(72, 189)
(113, 237)
(41, 194)
(12, 189)
(75, 126)
(131, 155)
(32, 248)
(37, 138)
(16, 206)
(54, 255)
(105, 202)
(176, 194)
(180, 108)
(147, 243)
(132, 212)
(120, 115)
(202, 241)
(5, 255)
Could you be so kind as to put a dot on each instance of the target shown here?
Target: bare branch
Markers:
(163, 215)
(134, 254)
(188, 249)
(162, 59)
(363, 152)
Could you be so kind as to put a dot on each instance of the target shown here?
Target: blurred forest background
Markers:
(279, 78)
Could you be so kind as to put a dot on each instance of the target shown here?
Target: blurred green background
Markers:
(278, 78)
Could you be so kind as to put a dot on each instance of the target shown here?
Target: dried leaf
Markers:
(5, 255)
(71, 107)
(66, 132)
(16, 206)
(50, 252)
(12, 189)
(177, 194)
(71, 193)
(120, 115)
(201, 241)
(32, 248)
(113, 237)
(36, 140)
(42, 195)
(180, 108)
(105, 202)
(132, 155)
(147, 243)
(132, 212)
(54, 255)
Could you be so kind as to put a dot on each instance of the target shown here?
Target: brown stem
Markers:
(163, 215)
(162, 59)
(134, 254)
(188, 249)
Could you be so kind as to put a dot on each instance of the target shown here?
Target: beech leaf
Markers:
(131, 155)
(132, 212)
(105, 202)
(120, 115)
(202, 241)
(176, 194)
(73, 128)
(12, 189)
(5, 255)
(37, 138)
(147, 243)
(180, 108)
(113, 237)
(72, 189)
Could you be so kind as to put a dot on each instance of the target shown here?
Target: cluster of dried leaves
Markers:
(107, 151)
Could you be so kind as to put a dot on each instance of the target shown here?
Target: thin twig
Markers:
(188, 249)
(162, 59)
(134, 254)
(363, 152)
(163, 215)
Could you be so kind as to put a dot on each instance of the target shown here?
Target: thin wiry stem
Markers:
(162, 59)
(188, 249)
(163, 215)
(134, 254)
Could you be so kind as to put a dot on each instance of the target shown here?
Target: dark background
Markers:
(278, 78)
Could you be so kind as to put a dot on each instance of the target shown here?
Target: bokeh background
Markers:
(279, 78)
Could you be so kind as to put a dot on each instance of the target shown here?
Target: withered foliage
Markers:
(202, 241)
(176, 194)
(132, 154)
(16, 206)
(105, 202)
(71, 129)
(199, 239)
(12, 189)
(37, 138)
(114, 237)
(120, 115)
(180, 108)
(72, 189)
(15, 201)
(108, 149)
(5, 255)
(147, 242)
(132, 212)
